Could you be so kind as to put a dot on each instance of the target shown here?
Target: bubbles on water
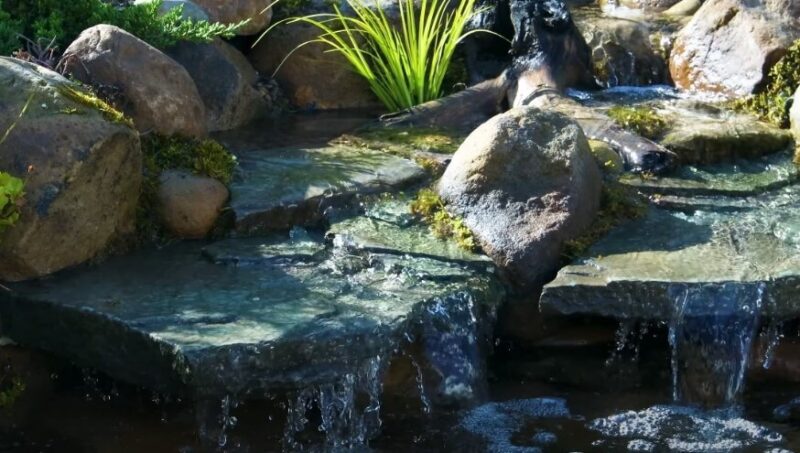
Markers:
(679, 428)
(497, 423)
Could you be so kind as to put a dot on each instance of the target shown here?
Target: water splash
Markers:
(772, 338)
(677, 428)
(348, 411)
(711, 336)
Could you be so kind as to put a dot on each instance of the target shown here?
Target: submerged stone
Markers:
(636, 270)
(244, 316)
(281, 188)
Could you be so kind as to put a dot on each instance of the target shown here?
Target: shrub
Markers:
(45, 20)
(772, 105)
(404, 65)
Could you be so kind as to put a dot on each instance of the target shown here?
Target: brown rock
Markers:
(729, 46)
(157, 91)
(330, 85)
(82, 174)
(233, 11)
(190, 205)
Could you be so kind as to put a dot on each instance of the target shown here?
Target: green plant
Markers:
(772, 104)
(11, 389)
(11, 193)
(430, 208)
(63, 21)
(89, 100)
(641, 120)
(404, 65)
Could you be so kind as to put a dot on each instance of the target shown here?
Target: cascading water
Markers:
(711, 336)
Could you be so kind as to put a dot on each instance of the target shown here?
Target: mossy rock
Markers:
(609, 160)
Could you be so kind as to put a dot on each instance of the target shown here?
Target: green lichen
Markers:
(429, 207)
(89, 100)
(201, 157)
(618, 204)
(772, 104)
(641, 120)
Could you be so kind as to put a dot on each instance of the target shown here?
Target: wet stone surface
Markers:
(245, 315)
(281, 187)
(702, 236)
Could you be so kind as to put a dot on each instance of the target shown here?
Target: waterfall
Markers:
(711, 336)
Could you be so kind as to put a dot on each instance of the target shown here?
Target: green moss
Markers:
(407, 141)
(11, 192)
(641, 120)
(11, 389)
(429, 207)
(618, 204)
(89, 100)
(200, 157)
(772, 104)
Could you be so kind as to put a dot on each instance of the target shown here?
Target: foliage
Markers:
(403, 67)
(641, 120)
(201, 157)
(63, 21)
(772, 105)
(430, 207)
(11, 193)
(618, 204)
(88, 99)
(11, 389)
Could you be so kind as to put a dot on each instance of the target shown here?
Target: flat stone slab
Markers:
(282, 187)
(638, 270)
(241, 316)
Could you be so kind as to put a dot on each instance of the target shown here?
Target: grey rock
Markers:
(157, 92)
(82, 174)
(525, 182)
(282, 187)
(709, 241)
(226, 82)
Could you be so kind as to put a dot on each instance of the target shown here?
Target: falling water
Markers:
(711, 335)
(349, 411)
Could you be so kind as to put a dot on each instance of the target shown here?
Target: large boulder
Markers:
(258, 12)
(82, 173)
(331, 85)
(226, 81)
(729, 46)
(525, 182)
(190, 205)
(155, 90)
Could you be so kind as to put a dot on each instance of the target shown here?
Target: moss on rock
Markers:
(640, 119)
(429, 207)
(89, 100)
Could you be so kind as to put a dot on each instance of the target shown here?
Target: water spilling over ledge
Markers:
(244, 316)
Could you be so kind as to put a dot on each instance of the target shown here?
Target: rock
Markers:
(226, 82)
(189, 205)
(729, 46)
(176, 322)
(82, 174)
(684, 8)
(721, 236)
(707, 137)
(647, 5)
(190, 10)
(259, 13)
(157, 92)
(621, 50)
(607, 159)
(525, 182)
(283, 187)
(332, 84)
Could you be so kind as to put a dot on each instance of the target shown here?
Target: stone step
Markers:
(243, 316)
